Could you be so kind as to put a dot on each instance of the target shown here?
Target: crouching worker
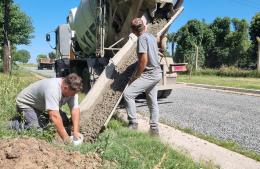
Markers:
(41, 101)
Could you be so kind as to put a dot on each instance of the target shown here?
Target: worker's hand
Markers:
(77, 135)
(68, 140)
(77, 138)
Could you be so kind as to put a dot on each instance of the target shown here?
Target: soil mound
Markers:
(21, 153)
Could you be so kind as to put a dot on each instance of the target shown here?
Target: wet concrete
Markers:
(94, 119)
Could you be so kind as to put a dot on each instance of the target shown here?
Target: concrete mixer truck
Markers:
(97, 44)
(97, 29)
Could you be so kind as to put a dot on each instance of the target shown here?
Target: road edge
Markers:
(199, 150)
(242, 91)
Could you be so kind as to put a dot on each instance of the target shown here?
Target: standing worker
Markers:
(42, 101)
(145, 78)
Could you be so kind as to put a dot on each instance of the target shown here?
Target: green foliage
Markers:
(230, 71)
(238, 44)
(22, 56)
(20, 26)
(193, 34)
(52, 55)
(254, 32)
(223, 42)
(41, 56)
(134, 150)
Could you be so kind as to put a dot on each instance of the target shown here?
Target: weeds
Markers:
(226, 72)
(134, 150)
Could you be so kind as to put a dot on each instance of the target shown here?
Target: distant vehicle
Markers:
(46, 63)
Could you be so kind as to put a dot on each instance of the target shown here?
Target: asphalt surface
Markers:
(226, 116)
(44, 72)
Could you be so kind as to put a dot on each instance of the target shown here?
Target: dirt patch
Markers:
(97, 115)
(20, 153)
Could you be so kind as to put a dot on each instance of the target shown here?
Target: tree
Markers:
(52, 55)
(220, 52)
(21, 56)
(239, 43)
(40, 56)
(189, 37)
(6, 42)
(15, 27)
(254, 32)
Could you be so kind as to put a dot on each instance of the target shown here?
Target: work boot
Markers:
(154, 132)
(132, 126)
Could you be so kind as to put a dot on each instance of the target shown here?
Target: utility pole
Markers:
(6, 45)
(258, 54)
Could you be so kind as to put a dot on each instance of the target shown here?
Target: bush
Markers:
(236, 72)
(228, 72)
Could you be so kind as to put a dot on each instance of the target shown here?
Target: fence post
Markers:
(196, 57)
(258, 54)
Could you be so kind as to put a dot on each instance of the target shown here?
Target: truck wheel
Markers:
(164, 93)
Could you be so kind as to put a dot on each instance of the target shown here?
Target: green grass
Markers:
(134, 150)
(27, 65)
(246, 83)
(10, 86)
(121, 147)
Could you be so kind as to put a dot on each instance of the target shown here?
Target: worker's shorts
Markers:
(32, 118)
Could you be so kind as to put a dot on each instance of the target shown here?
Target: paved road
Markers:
(44, 72)
(225, 116)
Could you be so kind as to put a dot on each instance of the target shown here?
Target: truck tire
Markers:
(164, 93)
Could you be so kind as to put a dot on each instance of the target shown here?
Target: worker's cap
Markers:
(137, 25)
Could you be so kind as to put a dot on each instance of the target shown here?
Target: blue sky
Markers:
(48, 14)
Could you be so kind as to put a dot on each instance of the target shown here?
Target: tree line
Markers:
(225, 41)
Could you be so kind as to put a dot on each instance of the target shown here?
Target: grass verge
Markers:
(10, 86)
(128, 149)
(231, 145)
(246, 83)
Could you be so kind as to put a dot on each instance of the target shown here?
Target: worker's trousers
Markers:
(145, 83)
(32, 118)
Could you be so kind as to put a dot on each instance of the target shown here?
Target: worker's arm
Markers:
(142, 62)
(75, 114)
(57, 120)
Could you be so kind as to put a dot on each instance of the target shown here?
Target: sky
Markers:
(46, 15)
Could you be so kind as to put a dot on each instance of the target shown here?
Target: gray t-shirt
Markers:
(147, 43)
(45, 95)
